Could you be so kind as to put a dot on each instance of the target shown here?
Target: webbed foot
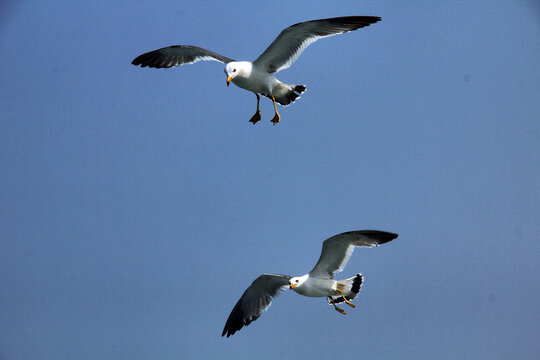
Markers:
(255, 117)
(275, 120)
(345, 299)
(338, 309)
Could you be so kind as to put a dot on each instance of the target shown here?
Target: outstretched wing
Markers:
(290, 43)
(337, 250)
(255, 300)
(177, 55)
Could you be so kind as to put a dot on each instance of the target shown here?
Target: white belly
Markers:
(314, 287)
(258, 81)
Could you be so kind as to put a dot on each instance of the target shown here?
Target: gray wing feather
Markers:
(337, 250)
(177, 55)
(292, 41)
(256, 299)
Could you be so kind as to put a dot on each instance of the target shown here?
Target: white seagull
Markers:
(319, 282)
(257, 76)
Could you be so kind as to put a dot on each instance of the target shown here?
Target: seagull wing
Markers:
(177, 55)
(256, 299)
(290, 43)
(337, 250)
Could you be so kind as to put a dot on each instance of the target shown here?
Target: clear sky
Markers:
(136, 205)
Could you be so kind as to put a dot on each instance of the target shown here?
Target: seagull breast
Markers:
(255, 79)
(316, 287)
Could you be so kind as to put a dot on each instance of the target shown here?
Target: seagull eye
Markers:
(234, 70)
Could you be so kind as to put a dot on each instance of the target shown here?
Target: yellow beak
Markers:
(229, 80)
(292, 285)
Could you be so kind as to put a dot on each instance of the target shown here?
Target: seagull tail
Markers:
(299, 88)
(350, 287)
(287, 94)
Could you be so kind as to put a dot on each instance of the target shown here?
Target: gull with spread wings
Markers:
(257, 76)
(319, 282)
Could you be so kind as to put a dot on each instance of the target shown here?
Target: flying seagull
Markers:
(319, 282)
(257, 76)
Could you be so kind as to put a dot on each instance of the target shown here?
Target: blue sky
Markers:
(138, 204)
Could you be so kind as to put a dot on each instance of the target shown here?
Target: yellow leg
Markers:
(339, 310)
(257, 115)
(275, 120)
(344, 298)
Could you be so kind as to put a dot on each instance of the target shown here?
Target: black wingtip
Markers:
(140, 60)
(356, 21)
(236, 323)
(385, 236)
(237, 320)
(381, 237)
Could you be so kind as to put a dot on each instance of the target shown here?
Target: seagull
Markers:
(319, 282)
(257, 76)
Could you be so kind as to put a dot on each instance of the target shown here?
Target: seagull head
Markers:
(297, 281)
(242, 69)
(231, 70)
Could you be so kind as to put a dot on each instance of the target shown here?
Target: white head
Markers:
(297, 281)
(235, 68)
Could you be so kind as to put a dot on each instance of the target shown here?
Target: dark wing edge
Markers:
(293, 40)
(337, 249)
(256, 299)
(368, 238)
(177, 55)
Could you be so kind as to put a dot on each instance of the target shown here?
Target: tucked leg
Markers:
(344, 298)
(275, 120)
(257, 115)
(339, 310)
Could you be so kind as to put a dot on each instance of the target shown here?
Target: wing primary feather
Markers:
(292, 41)
(370, 238)
(177, 55)
(337, 249)
(256, 299)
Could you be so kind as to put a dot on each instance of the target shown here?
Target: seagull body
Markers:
(251, 78)
(316, 287)
(319, 282)
(257, 76)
